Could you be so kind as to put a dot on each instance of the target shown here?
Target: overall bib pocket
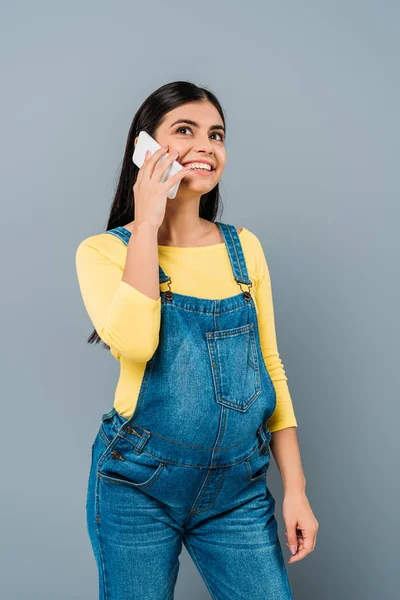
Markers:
(235, 366)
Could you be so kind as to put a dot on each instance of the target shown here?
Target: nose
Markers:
(203, 144)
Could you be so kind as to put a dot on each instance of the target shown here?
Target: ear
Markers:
(136, 139)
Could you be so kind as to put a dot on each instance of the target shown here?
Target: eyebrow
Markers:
(190, 122)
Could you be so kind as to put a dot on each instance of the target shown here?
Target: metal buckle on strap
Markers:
(246, 293)
(132, 431)
(168, 294)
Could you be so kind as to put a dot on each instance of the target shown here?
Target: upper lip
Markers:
(200, 160)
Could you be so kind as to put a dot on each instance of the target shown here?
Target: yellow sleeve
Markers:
(125, 319)
(283, 415)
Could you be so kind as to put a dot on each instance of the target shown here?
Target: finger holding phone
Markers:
(150, 192)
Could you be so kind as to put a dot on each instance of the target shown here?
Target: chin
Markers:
(200, 189)
(198, 184)
(187, 187)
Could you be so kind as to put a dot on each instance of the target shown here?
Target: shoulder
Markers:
(100, 247)
(254, 254)
(250, 241)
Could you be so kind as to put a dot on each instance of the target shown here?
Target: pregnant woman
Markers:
(183, 301)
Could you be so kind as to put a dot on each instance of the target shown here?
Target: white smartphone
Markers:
(146, 142)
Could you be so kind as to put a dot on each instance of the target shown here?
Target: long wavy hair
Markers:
(148, 117)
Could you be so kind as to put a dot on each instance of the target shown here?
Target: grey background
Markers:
(311, 94)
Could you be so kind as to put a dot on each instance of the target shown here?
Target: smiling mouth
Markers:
(204, 172)
(211, 167)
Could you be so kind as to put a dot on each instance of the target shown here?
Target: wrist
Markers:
(295, 486)
(145, 226)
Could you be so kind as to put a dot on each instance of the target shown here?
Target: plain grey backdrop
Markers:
(311, 94)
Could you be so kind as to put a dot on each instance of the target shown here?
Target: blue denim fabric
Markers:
(190, 465)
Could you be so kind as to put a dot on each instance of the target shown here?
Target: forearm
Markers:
(285, 449)
(141, 267)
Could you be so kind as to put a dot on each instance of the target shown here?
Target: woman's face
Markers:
(202, 140)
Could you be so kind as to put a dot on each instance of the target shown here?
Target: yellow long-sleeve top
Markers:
(128, 321)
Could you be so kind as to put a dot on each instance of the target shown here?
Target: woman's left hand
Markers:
(301, 525)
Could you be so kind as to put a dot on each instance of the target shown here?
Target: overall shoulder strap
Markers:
(235, 252)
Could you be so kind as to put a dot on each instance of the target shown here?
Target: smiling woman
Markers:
(184, 302)
(196, 131)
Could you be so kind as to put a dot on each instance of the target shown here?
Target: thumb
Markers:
(292, 539)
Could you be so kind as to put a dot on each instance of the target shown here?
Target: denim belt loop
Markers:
(142, 441)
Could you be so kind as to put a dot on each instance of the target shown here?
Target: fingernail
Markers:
(293, 549)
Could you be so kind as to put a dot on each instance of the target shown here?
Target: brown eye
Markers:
(220, 135)
(215, 133)
(180, 128)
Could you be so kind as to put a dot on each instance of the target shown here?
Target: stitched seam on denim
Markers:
(125, 234)
(237, 405)
(128, 233)
(145, 484)
(249, 468)
(105, 437)
(216, 361)
(241, 258)
(226, 229)
(192, 510)
(243, 329)
(214, 499)
(196, 446)
(235, 263)
(269, 377)
(117, 235)
(206, 312)
(102, 566)
(103, 457)
(253, 344)
(221, 423)
(240, 255)
(97, 517)
(236, 254)
(200, 569)
(214, 366)
(143, 388)
(255, 358)
(108, 415)
(197, 466)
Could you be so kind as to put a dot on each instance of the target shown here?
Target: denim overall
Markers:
(190, 464)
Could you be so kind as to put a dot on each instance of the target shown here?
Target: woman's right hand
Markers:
(149, 192)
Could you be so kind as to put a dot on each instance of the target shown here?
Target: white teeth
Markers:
(202, 166)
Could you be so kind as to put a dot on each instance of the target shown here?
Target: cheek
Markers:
(175, 146)
(221, 161)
